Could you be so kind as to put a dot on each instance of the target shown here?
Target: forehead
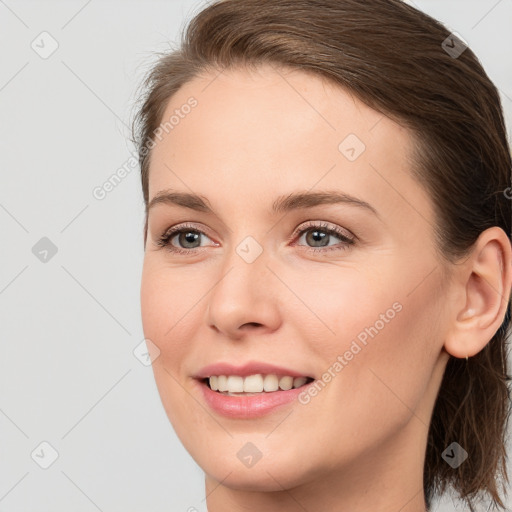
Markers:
(265, 132)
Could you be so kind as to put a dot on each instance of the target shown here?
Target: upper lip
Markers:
(250, 368)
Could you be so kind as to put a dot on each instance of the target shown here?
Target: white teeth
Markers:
(271, 383)
(254, 383)
(235, 384)
(222, 383)
(286, 383)
(299, 381)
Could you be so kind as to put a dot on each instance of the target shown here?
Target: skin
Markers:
(358, 445)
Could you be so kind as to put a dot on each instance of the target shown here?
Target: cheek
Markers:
(168, 314)
(378, 338)
(334, 306)
(169, 300)
(388, 374)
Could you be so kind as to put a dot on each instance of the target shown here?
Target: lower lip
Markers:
(248, 406)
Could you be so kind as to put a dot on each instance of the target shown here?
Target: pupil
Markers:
(318, 236)
(189, 237)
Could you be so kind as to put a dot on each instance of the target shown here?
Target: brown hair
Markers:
(392, 57)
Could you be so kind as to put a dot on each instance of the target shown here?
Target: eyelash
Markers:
(164, 240)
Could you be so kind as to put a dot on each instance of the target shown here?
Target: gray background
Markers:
(69, 325)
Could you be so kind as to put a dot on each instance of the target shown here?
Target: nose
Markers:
(245, 298)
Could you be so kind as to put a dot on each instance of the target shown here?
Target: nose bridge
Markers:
(244, 291)
(244, 271)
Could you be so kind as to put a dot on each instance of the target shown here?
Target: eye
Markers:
(187, 235)
(320, 234)
(316, 233)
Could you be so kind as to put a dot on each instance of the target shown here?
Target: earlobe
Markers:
(486, 278)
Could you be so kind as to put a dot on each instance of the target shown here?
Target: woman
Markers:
(328, 266)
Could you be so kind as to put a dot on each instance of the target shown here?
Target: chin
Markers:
(264, 478)
(275, 470)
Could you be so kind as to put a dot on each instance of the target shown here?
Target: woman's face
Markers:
(348, 292)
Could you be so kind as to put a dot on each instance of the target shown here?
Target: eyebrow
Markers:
(293, 201)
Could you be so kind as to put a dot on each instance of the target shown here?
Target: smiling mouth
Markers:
(236, 385)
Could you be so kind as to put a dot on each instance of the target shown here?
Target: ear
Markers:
(485, 282)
